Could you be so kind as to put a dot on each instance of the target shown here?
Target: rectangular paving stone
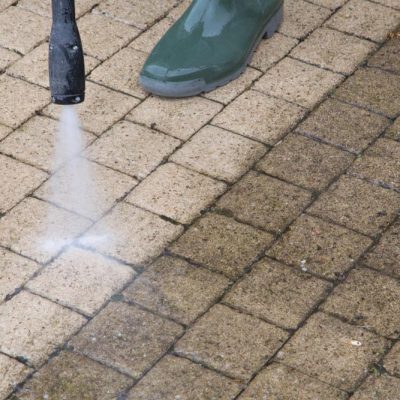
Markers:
(343, 125)
(264, 201)
(305, 162)
(38, 230)
(368, 299)
(174, 288)
(43, 7)
(177, 378)
(394, 131)
(135, 13)
(297, 82)
(96, 31)
(277, 293)
(126, 338)
(272, 50)
(358, 205)
(366, 19)
(319, 247)
(259, 117)
(225, 94)
(104, 187)
(219, 153)
(81, 280)
(333, 50)
(18, 180)
(374, 89)
(21, 30)
(32, 327)
(7, 57)
(34, 66)
(176, 192)
(332, 4)
(101, 109)
(132, 149)
(14, 272)
(135, 235)
(20, 100)
(388, 56)
(74, 377)
(302, 17)
(386, 255)
(280, 382)
(390, 3)
(380, 163)
(378, 387)
(222, 244)
(328, 350)
(13, 372)
(121, 72)
(221, 329)
(34, 143)
(5, 3)
(392, 360)
(178, 117)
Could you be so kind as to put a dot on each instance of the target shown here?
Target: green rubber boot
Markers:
(209, 46)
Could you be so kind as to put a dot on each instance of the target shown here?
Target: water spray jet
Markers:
(66, 62)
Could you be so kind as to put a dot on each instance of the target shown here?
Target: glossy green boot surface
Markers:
(209, 46)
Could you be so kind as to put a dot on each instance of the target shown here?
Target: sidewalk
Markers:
(257, 250)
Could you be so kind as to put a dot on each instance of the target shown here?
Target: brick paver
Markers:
(246, 245)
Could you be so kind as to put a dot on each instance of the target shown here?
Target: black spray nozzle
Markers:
(66, 64)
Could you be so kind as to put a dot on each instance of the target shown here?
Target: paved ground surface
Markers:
(257, 251)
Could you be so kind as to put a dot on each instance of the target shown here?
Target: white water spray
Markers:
(73, 186)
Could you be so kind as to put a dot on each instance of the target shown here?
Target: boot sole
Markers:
(198, 86)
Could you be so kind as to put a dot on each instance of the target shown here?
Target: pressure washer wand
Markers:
(66, 63)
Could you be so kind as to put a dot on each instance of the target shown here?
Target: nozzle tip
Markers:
(68, 99)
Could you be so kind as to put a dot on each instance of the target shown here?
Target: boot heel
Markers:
(273, 24)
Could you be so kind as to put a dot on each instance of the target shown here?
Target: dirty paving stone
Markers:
(211, 339)
(7, 57)
(332, 351)
(386, 255)
(126, 338)
(380, 164)
(319, 247)
(305, 162)
(280, 382)
(264, 202)
(222, 244)
(176, 192)
(343, 125)
(394, 131)
(74, 377)
(373, 89)
(383, 387)
(392, 360)
(14, 272)
(219, 153)
(12, 372)
(388, 56)
(368, 299)
(32, 327)
(277, 293)
(176, 289)
(177, 378)
(358, 205)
